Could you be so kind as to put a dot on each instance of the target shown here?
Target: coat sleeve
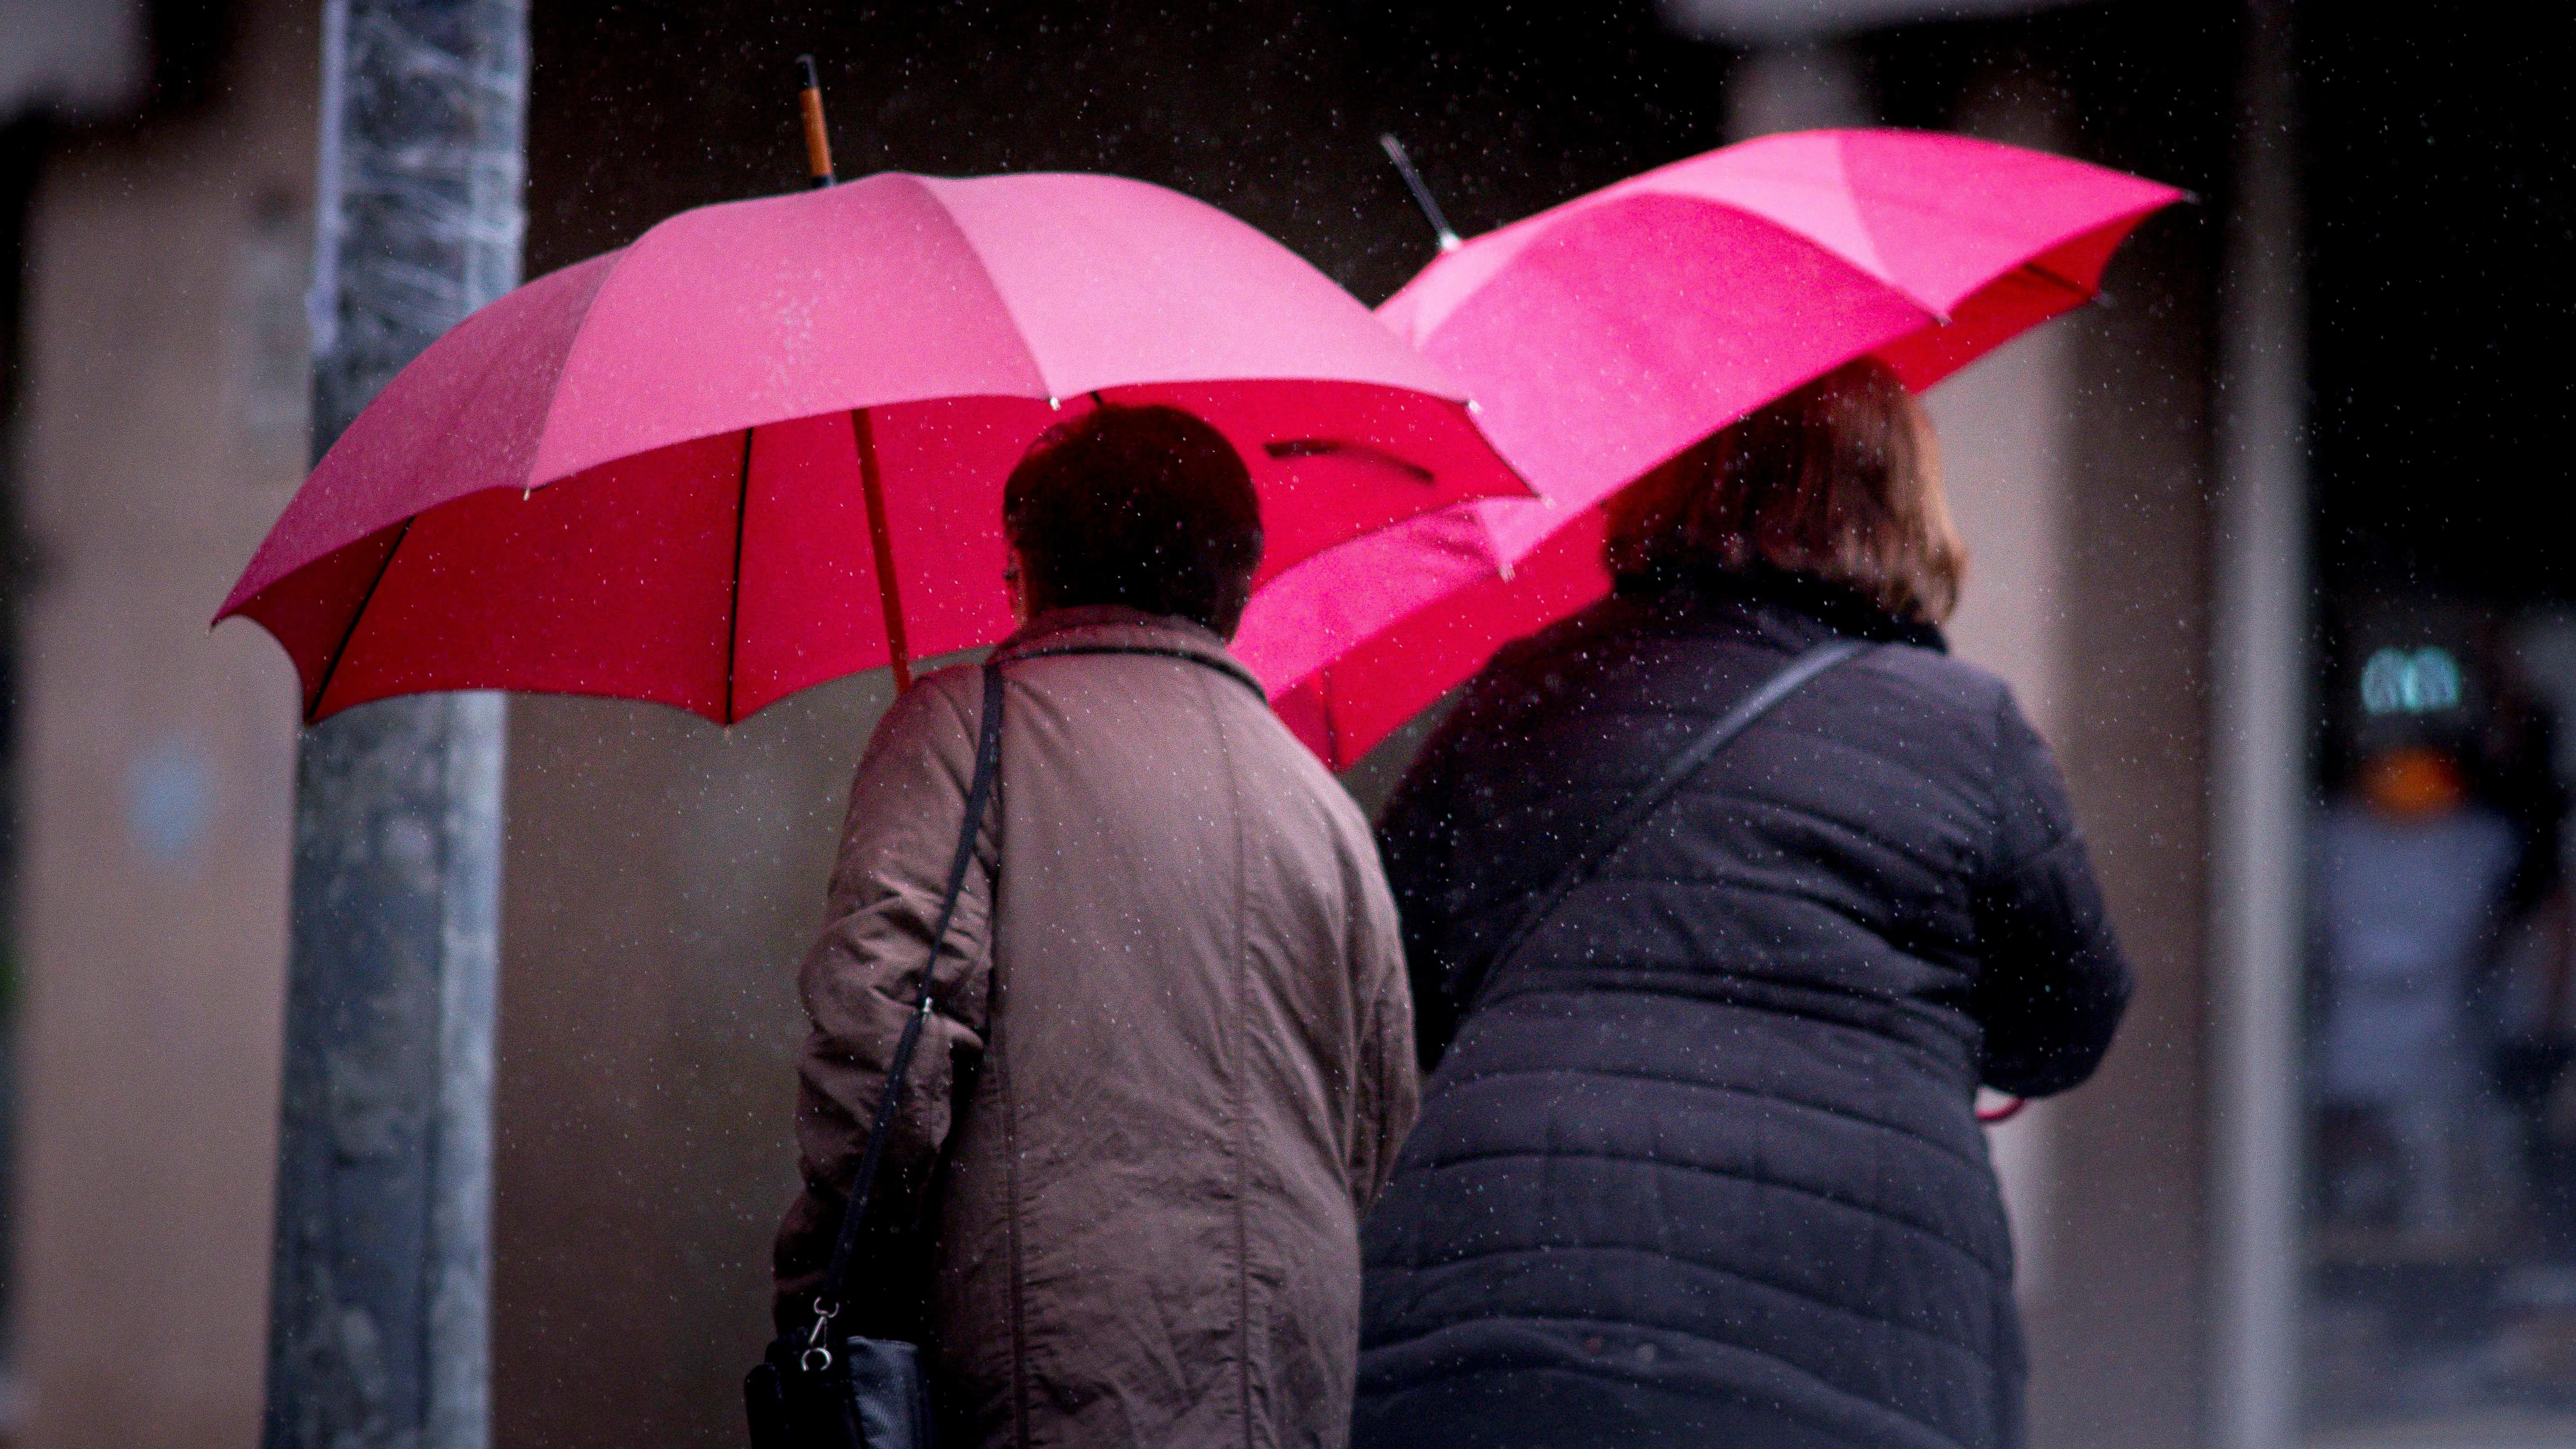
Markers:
(859, 985)
(1390, 1087)
(2052, 984)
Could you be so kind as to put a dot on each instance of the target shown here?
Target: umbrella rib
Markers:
(313, 712)
(733, 613)
(992, 283)
(2082, 292)
(881, 540)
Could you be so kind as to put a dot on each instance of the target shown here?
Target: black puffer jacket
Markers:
(1703, 1168)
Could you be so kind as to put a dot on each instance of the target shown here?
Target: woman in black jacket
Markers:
(1701, 1165)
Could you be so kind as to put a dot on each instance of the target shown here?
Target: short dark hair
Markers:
(1149, 507)
(1838, 481)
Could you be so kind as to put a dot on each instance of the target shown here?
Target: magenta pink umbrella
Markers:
(1604, 336)
(764, 445)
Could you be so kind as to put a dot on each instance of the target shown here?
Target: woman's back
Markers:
(1704, 1164)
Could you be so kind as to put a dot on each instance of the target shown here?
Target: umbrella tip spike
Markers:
(1413, 182)
(1055, 404)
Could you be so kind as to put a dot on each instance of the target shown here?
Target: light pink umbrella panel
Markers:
(1604, 336)
(764, 445)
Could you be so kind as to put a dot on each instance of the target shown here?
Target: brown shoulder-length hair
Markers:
(1838, 481)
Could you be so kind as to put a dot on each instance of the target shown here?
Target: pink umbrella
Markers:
(1604, 336)
(764, 445)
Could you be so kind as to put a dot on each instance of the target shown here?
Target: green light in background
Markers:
(2410, 681)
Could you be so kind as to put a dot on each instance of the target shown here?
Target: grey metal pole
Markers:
(2258, 778)
(379, 1331)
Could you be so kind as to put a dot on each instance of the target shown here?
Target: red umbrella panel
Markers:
(1606, 335)
(764, 446)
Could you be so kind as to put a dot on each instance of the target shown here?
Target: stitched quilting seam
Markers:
(1624, 1074)
(1922, 1230)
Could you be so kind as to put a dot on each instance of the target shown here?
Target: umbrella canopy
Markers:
(1610, 333)
(764, 445)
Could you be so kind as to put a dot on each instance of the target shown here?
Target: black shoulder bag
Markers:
(1612, 833)
(814, 1391)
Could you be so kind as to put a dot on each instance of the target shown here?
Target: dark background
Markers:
(2440, 225)
(2437, 189)
(1269, 110)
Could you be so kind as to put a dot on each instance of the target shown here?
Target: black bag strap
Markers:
(988, 760)
(1606, 839)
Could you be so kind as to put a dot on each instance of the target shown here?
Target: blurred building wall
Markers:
(663, 876)
(82, 58)
(161, 427)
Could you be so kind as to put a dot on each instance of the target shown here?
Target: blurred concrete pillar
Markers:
(379, 1332)
(2258, 738)
(2005, 426)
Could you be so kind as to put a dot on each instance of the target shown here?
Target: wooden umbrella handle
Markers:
(818, 143)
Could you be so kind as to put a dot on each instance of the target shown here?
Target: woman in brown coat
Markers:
(1174, 1050)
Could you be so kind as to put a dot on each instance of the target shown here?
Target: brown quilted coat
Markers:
(1171, 1068)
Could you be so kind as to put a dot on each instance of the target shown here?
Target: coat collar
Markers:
(1795, 604)
(1117, 629)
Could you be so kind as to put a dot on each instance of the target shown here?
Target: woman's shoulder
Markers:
(1950, 716)
(940, 715)
(1937, 680)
